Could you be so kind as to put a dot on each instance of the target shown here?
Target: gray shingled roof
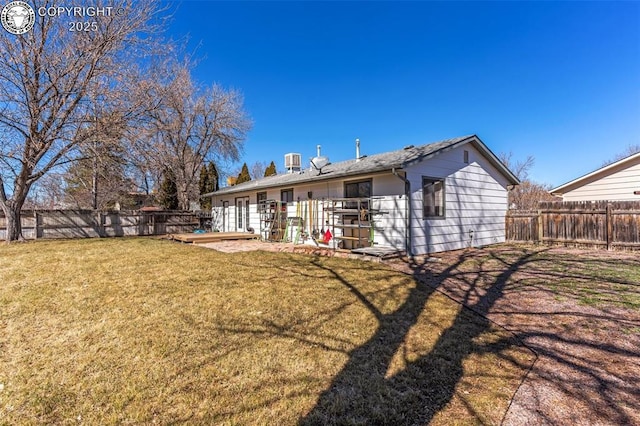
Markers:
(369, 164)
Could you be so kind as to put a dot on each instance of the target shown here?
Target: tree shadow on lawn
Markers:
(363, 392)
(586, 375)
(589, 357)
(588, 362)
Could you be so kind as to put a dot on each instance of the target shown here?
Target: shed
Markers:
(619, 181)
(440, 196)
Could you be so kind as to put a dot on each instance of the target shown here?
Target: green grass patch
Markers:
(111, 331)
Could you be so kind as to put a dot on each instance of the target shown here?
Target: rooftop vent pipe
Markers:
(357, 149)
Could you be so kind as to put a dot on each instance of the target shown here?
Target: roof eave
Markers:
(493, 159)
(584, 179)
(311, 179)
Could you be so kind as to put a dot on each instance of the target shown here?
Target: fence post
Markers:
(35, 231)
(540, 228)
(100, 228)
(39, 225)
(609, 227)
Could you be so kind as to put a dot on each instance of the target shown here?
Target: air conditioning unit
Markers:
(292, 162)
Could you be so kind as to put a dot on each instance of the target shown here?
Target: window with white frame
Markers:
(433, 197)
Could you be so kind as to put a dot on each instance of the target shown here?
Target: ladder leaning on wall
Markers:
(273, 220)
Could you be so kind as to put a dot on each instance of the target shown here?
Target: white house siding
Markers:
(618, 186)
(388, 192)
(475, 200)
(389, 227)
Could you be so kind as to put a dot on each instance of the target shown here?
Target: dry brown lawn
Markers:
(142, 331)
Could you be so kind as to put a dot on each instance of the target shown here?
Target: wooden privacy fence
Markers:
(88, 223)
(610, 225)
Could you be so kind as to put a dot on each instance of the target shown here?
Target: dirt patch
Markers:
(587, 341)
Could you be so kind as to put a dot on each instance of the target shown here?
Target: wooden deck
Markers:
(212, 237)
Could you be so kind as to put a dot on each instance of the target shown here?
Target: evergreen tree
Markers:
(209, 182)
(271, 170)
(168, 196)
(205, 185)
(244, 175)
(214, 177)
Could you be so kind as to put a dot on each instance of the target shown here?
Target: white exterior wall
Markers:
(320, 190)
(475, 200)
(390, 227)
(388, 191)
(618, 186)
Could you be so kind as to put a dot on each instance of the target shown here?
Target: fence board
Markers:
(613, 225)
(522, 226)
(50, 224)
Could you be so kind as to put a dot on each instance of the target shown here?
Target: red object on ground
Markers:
(327, 236)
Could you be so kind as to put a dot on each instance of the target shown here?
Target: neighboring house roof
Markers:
(597, 174)
(370, 164)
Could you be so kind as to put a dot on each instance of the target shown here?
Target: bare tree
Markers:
(520, 168)
(47, 193)
(99, 181)
(628, 151)
(47, 78)
(528, 194)
(189, 126)
(257, 169)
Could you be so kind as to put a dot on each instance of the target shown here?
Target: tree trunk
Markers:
(14, 226)
(12, 208)
(183, 195)
(183, 200)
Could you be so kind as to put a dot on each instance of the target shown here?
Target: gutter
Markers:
(407, 200)
(227, 190)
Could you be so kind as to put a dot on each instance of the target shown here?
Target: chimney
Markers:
(318, 150)
(357, 149)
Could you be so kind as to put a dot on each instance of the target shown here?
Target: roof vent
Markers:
(409, 146)
(292, 162)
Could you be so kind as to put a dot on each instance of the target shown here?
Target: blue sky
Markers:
(556, 80)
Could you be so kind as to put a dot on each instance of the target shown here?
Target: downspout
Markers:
(407, 200)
